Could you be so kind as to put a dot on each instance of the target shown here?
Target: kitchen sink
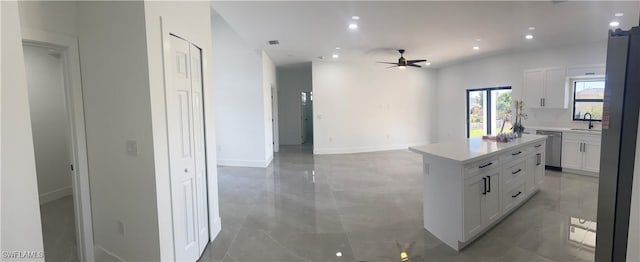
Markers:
(585, 129)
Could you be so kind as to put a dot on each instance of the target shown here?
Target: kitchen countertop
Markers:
(566, 129)
(470, 149)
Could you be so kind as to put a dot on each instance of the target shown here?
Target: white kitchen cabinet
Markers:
(535, 168)
(581, 152)
(546, 88)
(465, 185)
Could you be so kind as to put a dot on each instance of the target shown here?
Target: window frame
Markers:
(487, 91)
(573, 111)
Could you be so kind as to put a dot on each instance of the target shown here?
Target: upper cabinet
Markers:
(546, 88)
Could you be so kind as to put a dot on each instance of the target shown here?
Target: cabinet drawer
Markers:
(481, 165)
(513, 172)
(513, 155)
(514, 195)
(539, 146)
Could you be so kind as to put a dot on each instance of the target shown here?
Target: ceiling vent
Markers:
(273, 42)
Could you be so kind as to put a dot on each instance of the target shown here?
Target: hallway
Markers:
(359, 207)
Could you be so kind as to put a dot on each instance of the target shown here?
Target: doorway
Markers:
(59, 140)
(306, 113)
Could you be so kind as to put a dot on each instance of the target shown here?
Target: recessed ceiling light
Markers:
(353, 26)
(428, 63)
(528, 37)
(335, 56)
(476, 48)
(614, 24)
(532, 28)
(337, 48)
(478, 39)
(355, 17)
(619, 14)
(338, 254)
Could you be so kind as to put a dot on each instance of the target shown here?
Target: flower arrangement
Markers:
(518, 128)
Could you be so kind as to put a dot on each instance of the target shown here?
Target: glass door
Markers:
(488, 111)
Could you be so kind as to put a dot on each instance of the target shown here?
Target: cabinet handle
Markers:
(544, 102)
(484, 180)
(541, 102)
(516, 195)
(538, 159)
(584, 147)
(489, 182)
(538, 146)
(486, 165)
(517, 171)
(517, 153)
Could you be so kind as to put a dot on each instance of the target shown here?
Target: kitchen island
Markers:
(471, 184)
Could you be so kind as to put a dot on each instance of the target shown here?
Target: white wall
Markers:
(361, 107)
(115, 81)
(240, 98)
(292, 80)
(268, 80)
(49, 122)
(506, 70)
(20, 221)
(49, 16)
(190, 20)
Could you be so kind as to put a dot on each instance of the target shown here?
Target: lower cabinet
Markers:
(581, 152)
(481, 201)
(535, 170)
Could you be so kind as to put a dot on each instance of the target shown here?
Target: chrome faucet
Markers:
(585, 118)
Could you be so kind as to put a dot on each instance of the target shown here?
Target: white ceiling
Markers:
(442, 32)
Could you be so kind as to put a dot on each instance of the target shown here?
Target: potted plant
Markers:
(518, 128)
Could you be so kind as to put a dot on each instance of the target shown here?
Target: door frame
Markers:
(488, 107)
(165, 215)
(274, 117)
(74, 104)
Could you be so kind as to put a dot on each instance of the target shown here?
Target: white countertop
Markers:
(565, 129)
(468, 150)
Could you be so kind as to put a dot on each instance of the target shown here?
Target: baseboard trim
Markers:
(113, 256)
(244, 163)
(216, 228)
(364, 149)
(55, 194)
(580, 172)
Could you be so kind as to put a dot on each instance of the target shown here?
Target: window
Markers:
(588, 95)
(488, 111)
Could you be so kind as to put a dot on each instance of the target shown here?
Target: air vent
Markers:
(273, 42)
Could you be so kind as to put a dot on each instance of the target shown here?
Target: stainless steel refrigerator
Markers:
(619, 138)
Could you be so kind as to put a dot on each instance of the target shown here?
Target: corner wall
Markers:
(243, 111)
(20, 220)
(115, 81)
(362, 107)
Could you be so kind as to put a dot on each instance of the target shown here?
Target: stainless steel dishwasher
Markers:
(554, 148)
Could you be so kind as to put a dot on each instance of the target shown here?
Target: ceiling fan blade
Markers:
(416, 61)
(391, 63)
(414, 65)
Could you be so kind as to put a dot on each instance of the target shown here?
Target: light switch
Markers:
(132, 147)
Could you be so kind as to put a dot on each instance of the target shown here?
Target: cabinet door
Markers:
(539, 168)
(591, 154)
(530, 168)
(571, 154)
(555, 88)
(473, 205)
(533, 88)
(492, 210)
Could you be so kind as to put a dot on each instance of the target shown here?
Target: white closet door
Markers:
(200, 157)
(182, 152)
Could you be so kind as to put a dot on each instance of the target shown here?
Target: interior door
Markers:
(200, 156)
(179, 98)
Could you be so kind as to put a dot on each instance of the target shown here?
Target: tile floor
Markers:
(368, 207)
(59, 230)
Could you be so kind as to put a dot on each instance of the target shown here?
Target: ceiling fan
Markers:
(403, 62)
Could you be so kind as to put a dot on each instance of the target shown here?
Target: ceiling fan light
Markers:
(402, 67)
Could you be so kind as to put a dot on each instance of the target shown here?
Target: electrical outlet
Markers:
(132, 147)
(121, 227)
